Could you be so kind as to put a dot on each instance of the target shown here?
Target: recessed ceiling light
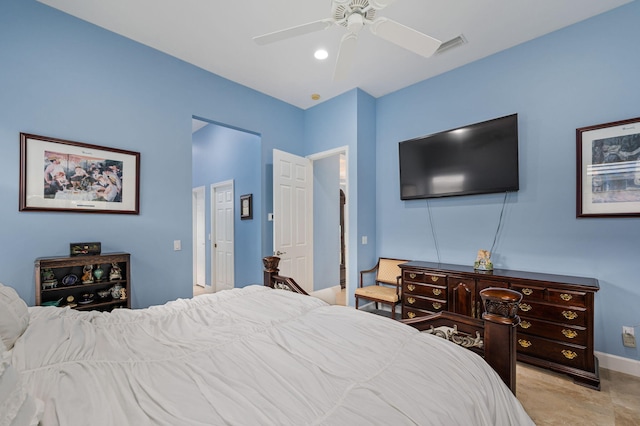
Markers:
(321, 54)
(315, 96)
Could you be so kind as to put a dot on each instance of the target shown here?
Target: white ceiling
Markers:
(217, 36)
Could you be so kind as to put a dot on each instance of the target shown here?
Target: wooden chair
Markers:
(386, 289)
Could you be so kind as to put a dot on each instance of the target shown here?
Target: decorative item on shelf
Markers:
(98, 273)
(103, 294)
(116, 291)
(87, 276)
(86, 298)
(123, 294)
(71, 302)
(115, 273)
(70, 279)
(49, 279)
(53, 302)
(85, 249)
(483, 261)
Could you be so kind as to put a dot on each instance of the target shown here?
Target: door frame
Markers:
(213, 239)
(198, 193)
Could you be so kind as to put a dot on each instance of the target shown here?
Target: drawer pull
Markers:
(569, 354)
(524, 307)
(411, 315)
(525, 324)
(527, 291)
(411, 287)
(569, 333)
(411, 300)
(437, 291)
(412, 276)
(570, 315)
(437, 305)
(566, 297)
(434, 278)
(524, 343)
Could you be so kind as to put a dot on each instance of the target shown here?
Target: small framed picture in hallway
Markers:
(246, 206)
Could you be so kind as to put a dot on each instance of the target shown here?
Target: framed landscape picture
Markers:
(61, 175)
(608, 169)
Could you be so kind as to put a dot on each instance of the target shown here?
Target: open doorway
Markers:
(220, 155)
(331, 225)
(326, 241)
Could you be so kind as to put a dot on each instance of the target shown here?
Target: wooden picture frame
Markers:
(608, 169)
(246, 206)
(62, 175)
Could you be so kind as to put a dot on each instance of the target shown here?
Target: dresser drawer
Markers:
(530, 292)
(553, 313)
(570, 355)
(432, 291)
(424, 277)
(568, 298)
(408, 313)
(425, 303)
(561, 332)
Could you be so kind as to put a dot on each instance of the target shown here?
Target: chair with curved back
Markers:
(387, 286)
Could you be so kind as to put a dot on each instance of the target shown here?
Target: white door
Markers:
(199, 237)
(293, 216)
(222, 225)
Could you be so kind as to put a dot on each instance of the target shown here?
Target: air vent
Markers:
(450, 44)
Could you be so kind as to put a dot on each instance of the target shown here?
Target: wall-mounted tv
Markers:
(481, 158)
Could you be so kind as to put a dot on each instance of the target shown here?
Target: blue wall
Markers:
(65, 78)
(582, 75)
(221, 154)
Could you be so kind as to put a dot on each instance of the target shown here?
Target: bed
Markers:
(247, 356)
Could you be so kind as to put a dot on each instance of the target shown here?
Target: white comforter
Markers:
(253, 356)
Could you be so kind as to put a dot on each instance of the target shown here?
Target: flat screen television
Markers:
(481, 158)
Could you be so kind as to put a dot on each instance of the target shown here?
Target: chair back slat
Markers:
(388, 270)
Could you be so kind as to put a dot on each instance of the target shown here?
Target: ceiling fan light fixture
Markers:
(355, 22)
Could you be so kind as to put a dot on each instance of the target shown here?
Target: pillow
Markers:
(14, 316)
(17, 407)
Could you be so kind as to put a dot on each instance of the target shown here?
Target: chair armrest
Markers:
(366, 272)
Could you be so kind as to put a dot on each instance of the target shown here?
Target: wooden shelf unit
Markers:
(556, 311)
(73, 265)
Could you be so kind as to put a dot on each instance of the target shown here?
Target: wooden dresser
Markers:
(556, 331)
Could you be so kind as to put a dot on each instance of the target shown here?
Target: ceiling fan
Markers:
(353, 15)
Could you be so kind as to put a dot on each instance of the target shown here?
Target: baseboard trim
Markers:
(618, 363)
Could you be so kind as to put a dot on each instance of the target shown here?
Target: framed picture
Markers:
(61, 175)
(246, 206)
(608, 169)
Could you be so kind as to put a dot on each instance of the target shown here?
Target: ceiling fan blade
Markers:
(406, 37)
(346, 54)
(293, 31)
(380, 4)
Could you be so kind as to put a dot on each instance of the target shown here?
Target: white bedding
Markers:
(252, 356)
